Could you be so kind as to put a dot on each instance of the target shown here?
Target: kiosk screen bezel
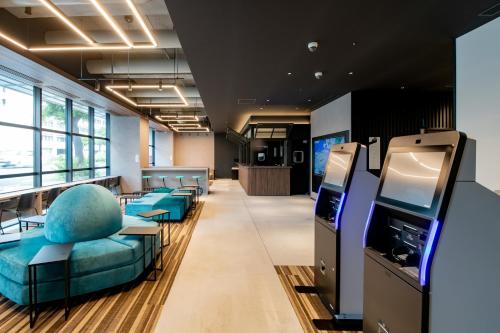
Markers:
(443, 176)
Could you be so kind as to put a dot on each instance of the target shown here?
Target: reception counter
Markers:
(265, 180)
(172, 172)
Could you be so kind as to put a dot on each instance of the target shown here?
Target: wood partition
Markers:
(265, 180)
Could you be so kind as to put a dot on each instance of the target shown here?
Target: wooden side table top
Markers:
(153, 213)
(52, 254)
(140, 231)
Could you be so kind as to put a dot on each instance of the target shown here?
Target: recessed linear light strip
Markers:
(65, 19)
(141, 22)
(128, 100)
(112, 23)
(13, 41)
(177, 117)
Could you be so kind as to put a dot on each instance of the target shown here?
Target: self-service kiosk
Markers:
(431, 245)
(342, 207)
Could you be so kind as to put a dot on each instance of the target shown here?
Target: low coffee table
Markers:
(194, 190)
(151, 214)
(49, 254)
(145, 232)
(127, 197)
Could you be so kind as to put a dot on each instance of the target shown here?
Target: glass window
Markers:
(151, 147)
(100, 150)
(80, 119)
(100, 173)
(16, 102)
(80, 152)
(53, 151)
(16, 184)
(16, 150)
(53, 112)
(80, 175)
(53, 178)
(100, 123)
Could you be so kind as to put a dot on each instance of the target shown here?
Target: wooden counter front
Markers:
(265, 180)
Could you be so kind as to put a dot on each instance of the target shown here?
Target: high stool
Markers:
(200, 188)
(145, 183)
(180, 178)
(163, 180)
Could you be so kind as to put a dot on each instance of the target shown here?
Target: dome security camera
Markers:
(312, 46)
(318, 75)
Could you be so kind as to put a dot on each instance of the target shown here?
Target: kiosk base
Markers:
(337, 324)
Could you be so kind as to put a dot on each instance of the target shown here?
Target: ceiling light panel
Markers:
(93, 46)
(115, 90)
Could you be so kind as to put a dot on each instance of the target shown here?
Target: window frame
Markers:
(69, 133)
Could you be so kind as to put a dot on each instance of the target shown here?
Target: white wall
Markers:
(129, 150)
(164, 153)
(194, 150)
(331, 118)
(478, 97)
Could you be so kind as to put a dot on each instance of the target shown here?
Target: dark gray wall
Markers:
(225, 154)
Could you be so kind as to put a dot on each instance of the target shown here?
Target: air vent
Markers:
(16, 75)
(62, 92)
(246, 101)
(492, 11)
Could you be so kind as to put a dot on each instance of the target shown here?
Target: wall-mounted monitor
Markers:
(413, 177)
(337, 168)
(321, 149)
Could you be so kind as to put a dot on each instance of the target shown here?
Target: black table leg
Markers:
(169, 221)
(36, 293)
(153, 253)
(66, 290)
(30, 296)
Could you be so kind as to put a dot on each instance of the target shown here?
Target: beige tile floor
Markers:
(227, 282)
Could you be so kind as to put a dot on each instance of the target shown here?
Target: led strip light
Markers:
(93, 45)
(112, 23)
(113, 89)
(57, 12)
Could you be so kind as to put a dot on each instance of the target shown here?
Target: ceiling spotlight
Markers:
(27, 10)
(289, 73)
(309, 100)
(354, 44)
(268, 100)
(129, 86)
(261, 108)
(318, 75)
(160, 86)
(97, 85)
(402, 87)
(351, 73)
(312, 46)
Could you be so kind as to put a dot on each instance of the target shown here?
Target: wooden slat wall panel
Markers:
(389, 114)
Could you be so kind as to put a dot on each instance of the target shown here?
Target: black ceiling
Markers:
(245, 48)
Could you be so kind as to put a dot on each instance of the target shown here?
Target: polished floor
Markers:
(227, 281)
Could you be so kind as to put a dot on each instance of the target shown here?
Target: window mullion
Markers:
(69, 140)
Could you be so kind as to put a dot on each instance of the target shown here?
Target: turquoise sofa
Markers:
(178, 206)
(95, 264)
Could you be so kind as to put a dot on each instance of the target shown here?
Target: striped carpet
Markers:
(306, 306)
(133, 307)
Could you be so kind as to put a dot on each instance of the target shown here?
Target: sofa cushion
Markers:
(83, 213)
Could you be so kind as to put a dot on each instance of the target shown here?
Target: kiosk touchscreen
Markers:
(431, 253)
(342, 207)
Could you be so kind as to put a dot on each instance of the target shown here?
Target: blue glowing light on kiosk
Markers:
(367, 224)
(317, 197)
(430, 248)
(339, 211)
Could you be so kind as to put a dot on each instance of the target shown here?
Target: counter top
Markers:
(264, 166)
(174, 168)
